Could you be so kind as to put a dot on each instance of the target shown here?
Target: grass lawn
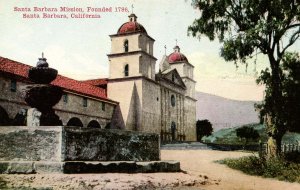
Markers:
(285, 169)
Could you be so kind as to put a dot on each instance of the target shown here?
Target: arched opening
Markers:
(4, 119)
(74, 121)
(94, 124)
(108, 125)
(126, 70)
(20, 118)
(126, 46)
(173, 130)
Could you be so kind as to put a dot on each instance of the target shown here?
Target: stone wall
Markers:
(118, 41)
(11, 101)
(93, 111)
(129, 93)
(58, 143)
(172, 114)
(19, 143)
(110, 145)
(190, 118)
(151, 107)
(117, 65)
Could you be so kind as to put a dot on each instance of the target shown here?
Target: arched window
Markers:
(126, 70)
(74, 121)
(126, 46)
(173, 100)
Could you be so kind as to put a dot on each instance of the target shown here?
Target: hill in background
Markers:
(223, 112)
(228, 136)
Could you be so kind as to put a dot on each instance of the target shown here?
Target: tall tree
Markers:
(249, 27)
(204, 128)
(290, 93)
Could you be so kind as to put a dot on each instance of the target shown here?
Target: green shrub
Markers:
(273, 168)
(250, 165)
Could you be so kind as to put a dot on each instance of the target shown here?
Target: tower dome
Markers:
(176, 56)
(131, 26)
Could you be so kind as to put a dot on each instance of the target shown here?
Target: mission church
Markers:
(133, 97)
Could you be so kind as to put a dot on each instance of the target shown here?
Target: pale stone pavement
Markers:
(202, 162)
(202, 172)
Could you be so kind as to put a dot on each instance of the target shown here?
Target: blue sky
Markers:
(78, 47)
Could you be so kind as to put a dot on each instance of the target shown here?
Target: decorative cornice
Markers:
(131, 53)
(131, 33)
(159, 78)
(131, 78)
(189, 79)
(180, 62)
(191, 98)
(92, 97)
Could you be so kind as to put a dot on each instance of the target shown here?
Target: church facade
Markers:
(133, 97)
(162, 103)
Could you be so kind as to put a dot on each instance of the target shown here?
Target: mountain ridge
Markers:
(224, 112)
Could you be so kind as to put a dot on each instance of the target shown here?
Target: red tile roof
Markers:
(130, 27)
(20, 69)
(96, 82)
(14, 67)
(177, 57)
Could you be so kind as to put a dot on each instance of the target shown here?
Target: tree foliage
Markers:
(244, 26)
(204, 128)
(290, 90)
(247, 133)
(249, 27)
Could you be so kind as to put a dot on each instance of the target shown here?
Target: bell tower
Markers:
(131, 79)
(131, 51)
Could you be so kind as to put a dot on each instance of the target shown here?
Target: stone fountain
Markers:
(42, 95)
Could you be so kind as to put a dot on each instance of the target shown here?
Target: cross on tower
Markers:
(42, 54)
(132, 8)
(176, 41)
(165, 50)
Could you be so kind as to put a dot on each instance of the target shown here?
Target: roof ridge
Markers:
(21, 69)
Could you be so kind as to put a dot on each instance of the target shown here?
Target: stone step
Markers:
(182, 146)
(73, 167)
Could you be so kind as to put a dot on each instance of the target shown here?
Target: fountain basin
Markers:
(42, 75)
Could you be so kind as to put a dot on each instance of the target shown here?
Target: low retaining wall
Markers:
(19, 143)
(33, 167)
(56, 144)
(85, 144)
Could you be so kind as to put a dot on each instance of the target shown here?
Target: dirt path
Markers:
(202, 173)
(201, 162)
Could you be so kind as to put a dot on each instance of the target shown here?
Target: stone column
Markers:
(33, 117)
